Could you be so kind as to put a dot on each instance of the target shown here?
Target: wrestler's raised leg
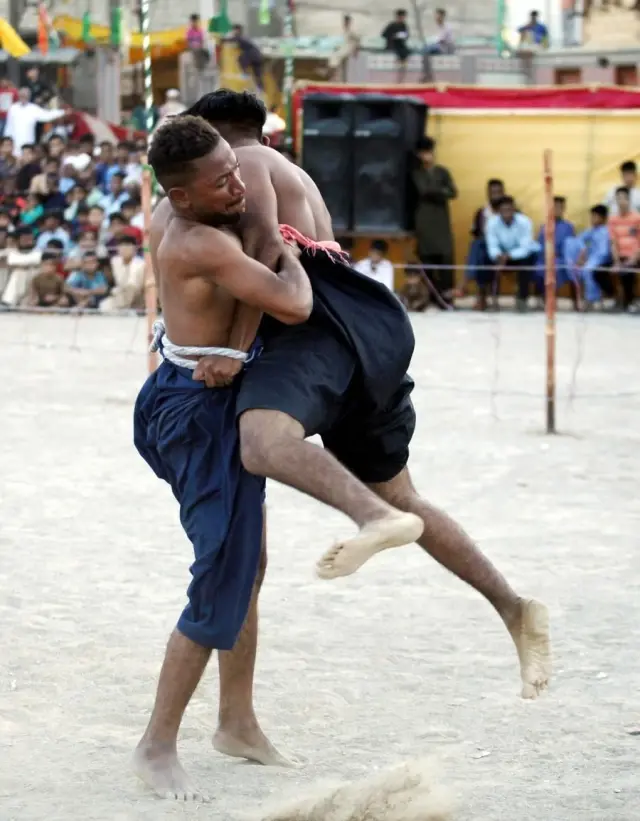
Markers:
(527, 621)
(155, 760)
(239, 733)
(272, 445)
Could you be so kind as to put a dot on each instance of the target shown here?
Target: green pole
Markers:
(287, 86)
(502, 46)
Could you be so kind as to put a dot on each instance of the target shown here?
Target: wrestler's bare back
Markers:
(195, 310)
(299, 201)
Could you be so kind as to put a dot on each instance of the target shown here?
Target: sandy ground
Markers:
(396, 662)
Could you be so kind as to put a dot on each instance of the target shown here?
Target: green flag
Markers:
(86, 27)
(264, 13)
(115, 35)
(221, 23)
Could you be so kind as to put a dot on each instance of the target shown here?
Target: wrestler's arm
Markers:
(285, 295)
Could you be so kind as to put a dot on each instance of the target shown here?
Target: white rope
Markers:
(176, 353)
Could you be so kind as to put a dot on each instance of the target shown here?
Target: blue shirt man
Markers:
(510, 244)
(589, 252)
(564, 230)
(534, 32)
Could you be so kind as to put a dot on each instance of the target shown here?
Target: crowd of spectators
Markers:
(71, 224)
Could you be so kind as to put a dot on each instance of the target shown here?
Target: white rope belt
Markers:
(177, 353)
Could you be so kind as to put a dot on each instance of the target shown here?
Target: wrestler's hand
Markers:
(217, 371)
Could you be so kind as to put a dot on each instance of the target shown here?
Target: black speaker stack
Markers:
(359, 150)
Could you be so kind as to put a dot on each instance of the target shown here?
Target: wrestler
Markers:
(372, 444)
(187, 432)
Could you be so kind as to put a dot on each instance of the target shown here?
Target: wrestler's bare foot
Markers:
(250, 743)
(346, 557)
(158, 766)
(530, 633)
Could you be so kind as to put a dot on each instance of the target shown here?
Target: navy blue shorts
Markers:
(188, 435)
(313, 375)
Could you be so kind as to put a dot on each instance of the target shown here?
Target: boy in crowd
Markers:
(89, 286)
(588, 254)
(376, 265)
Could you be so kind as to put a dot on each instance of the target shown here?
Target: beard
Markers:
(220, 219)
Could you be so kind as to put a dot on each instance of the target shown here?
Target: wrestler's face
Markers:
(216, 193)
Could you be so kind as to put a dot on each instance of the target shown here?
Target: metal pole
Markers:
(150, 290)
(550, 291)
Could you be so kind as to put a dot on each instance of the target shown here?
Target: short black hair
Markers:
(601, 211)
(401, 12)
(242, 110)
(82, 209)
(89, 255)
(623, 190)
(560, 200)
(97, 206)
(28, 145)
(58, 244)
(629, 165)
(495, 181)
(534, 13)
(176, 145)
(134, 202)
(380, 245)
(127, 239)
(49, 256)
(443, 12)
(347, 19)
(506, 200)
(425, 144)
(117, 217)
(120, 174)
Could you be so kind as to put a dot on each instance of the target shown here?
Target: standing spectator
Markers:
(250, 59)
(40, 90)
(128, 276)
(435, 187)
(47, 286)
(589, 255)
(52, 229)
(510, 244)
(443, 42)
(87, 287)
(23, 118)
(564, 230)
(197, 42)
(534, 32)
(173, 105)
(23, 262)
(396, 37)
(8, 96)
(624, 230)
(351, 38)
(376, 266)
(629, 177)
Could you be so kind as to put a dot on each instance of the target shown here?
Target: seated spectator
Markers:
(132, 212)
(5, 220)
(87, 179)
(42, 183)
(33, 211)
(8, 162)
(624, 231)
(105, 161)
(478, 254)
(29, 167)
(23, 263)
(55, 146)
(47, 286)
(51, 224)
(414, 294)
(87, 287)
(589, 254)
(117, 226)
(564, 230)
(629, 179)
(116, 196)
(118, 165)
(511, 245)
(87, 241)
(96, 219)
(54, 246)
(376, 266)
(75, 198)
(443, 42)
(128, 276)
(67, 177)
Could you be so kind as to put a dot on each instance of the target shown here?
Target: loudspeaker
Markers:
(327, 151)
(386, 130)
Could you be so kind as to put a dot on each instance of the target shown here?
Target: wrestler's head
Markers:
(238, 116)
(198, 171)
